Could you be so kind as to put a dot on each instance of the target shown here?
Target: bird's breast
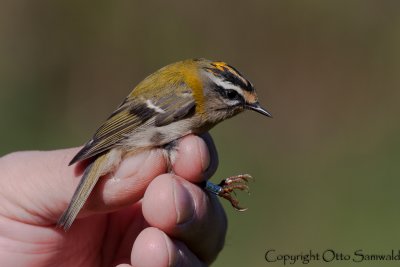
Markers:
(152, 136)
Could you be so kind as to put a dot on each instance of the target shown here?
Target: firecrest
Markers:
(186, 97)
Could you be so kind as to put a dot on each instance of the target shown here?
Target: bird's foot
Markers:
(226, 188)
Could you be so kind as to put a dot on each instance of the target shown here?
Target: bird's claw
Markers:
(230, 184)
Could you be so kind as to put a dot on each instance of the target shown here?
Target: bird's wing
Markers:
(122, 122)
(136, 112)
(175, 107)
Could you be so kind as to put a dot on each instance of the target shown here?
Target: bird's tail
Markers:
(89, 179)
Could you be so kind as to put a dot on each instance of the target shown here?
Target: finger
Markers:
(45, 183)
(187, 213)
(155, 248)
(33, 184)
(135, 173)
(37, 186)
(123, 226)
(197, 158)
(212, 150)
(127, 184)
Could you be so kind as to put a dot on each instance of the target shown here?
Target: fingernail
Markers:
(204, 154)
(184, 204)
(175, 253)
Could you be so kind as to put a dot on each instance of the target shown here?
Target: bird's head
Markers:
(226, 91)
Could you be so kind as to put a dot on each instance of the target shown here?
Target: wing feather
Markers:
(136, 112)
(121, 123)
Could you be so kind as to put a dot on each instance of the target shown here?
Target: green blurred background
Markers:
(326, 166)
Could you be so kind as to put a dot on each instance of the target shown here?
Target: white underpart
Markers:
(154, 107)
(142, 136)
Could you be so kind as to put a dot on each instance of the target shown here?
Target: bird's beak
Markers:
(256, 107)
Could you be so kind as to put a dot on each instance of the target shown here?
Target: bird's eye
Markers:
(232, 94)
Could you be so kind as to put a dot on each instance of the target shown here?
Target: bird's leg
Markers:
(226, 188)
(170, 151)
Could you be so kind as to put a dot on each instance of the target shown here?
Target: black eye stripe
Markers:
(233, 78)
(229, 93)
(220, 89)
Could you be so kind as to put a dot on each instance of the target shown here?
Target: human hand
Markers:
(141, 217)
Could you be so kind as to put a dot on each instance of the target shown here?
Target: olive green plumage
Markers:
(189, 96)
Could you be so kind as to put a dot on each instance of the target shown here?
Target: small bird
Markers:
(186, 97)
